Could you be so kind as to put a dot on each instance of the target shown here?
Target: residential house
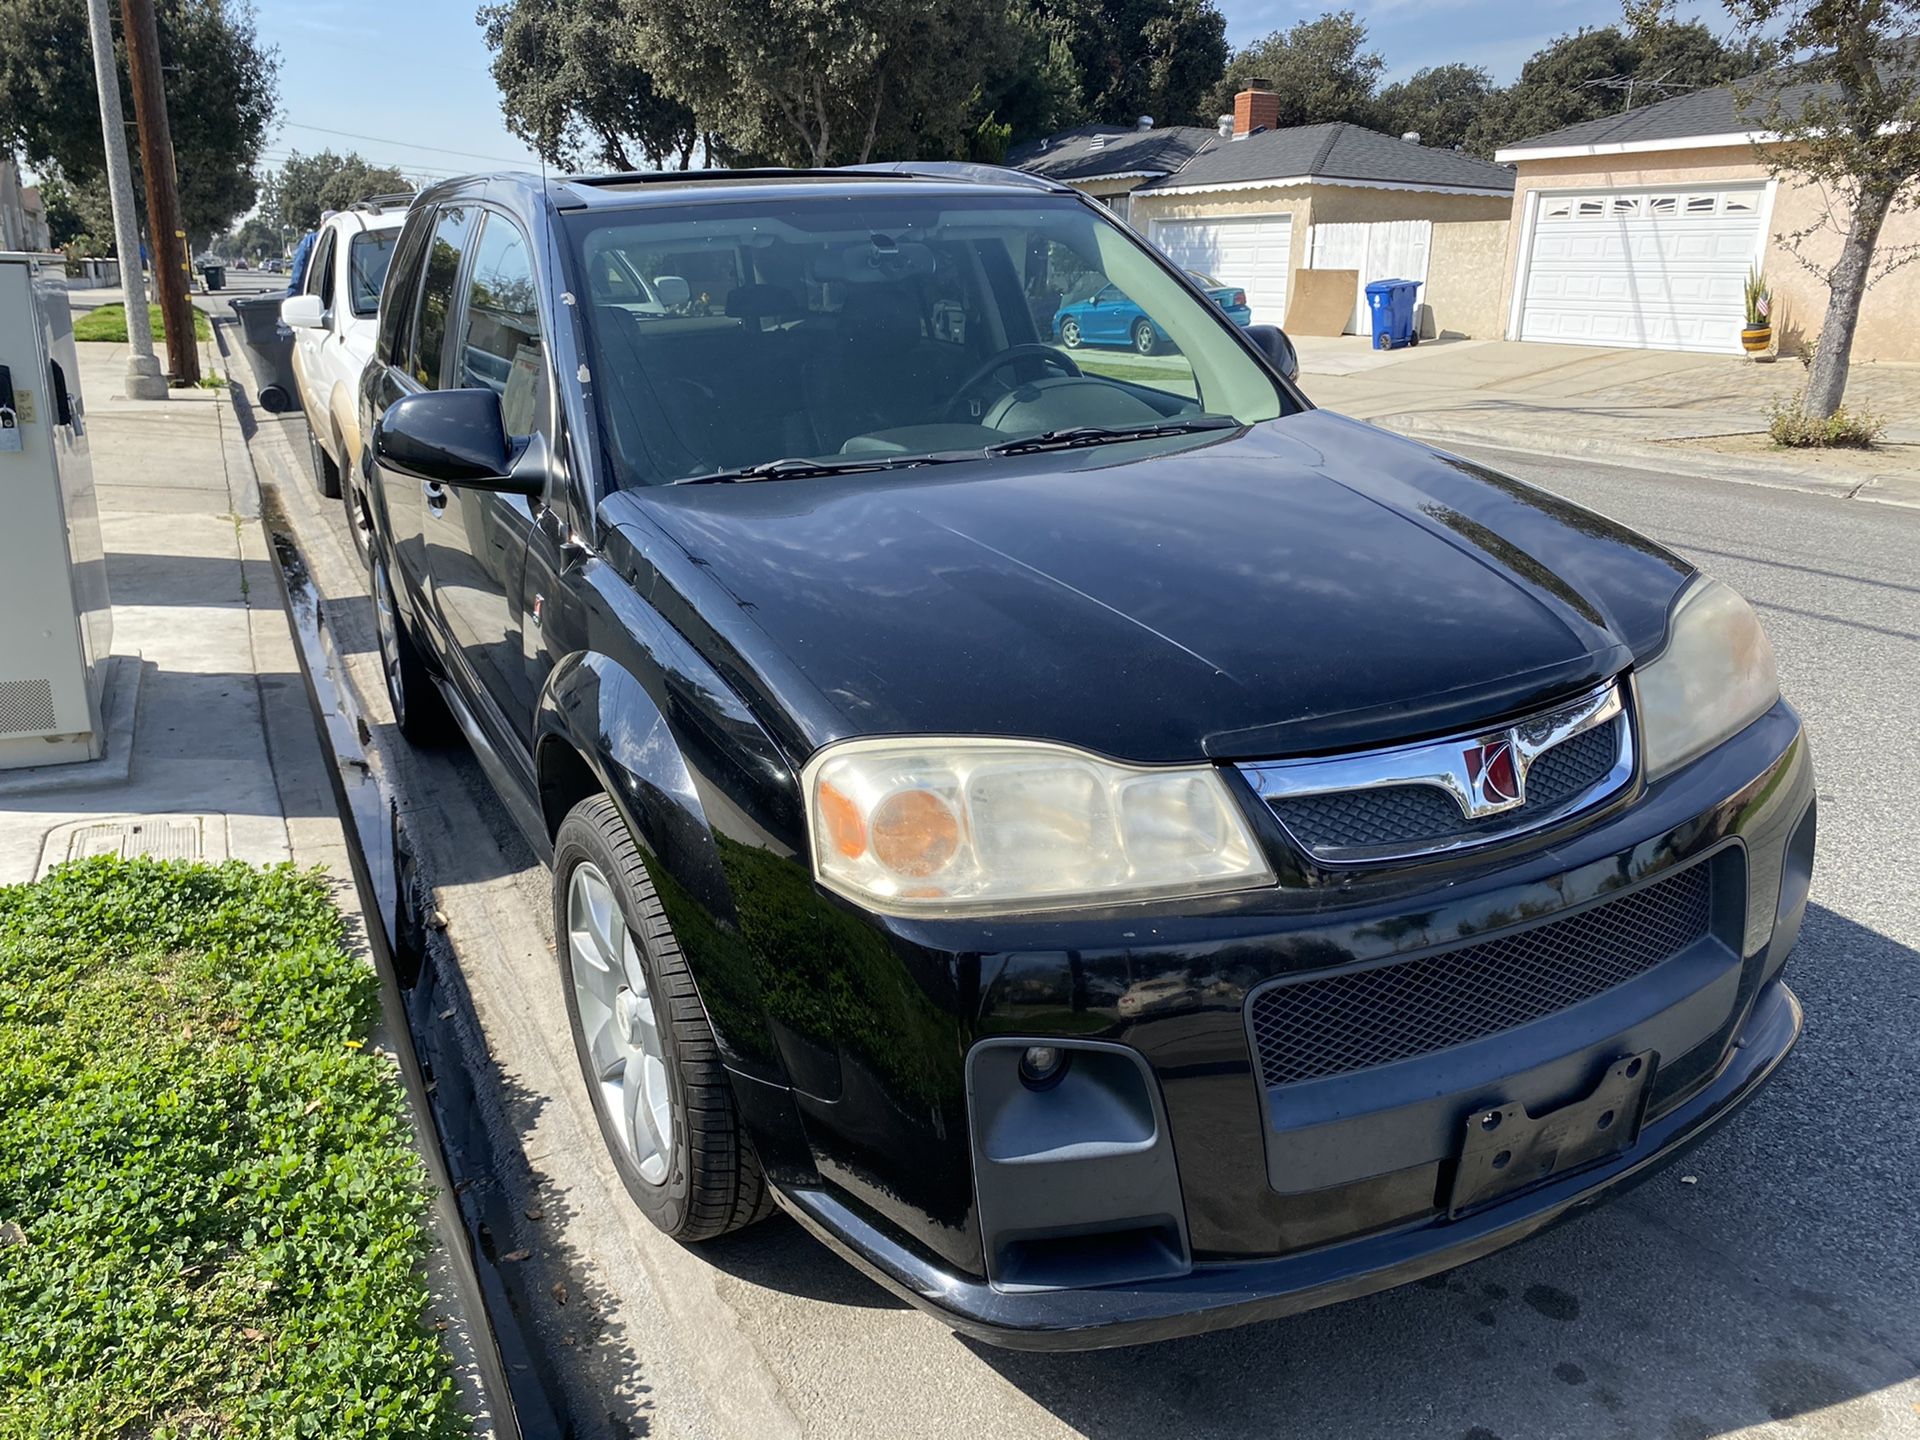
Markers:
(1253, 204)
(1640, 230)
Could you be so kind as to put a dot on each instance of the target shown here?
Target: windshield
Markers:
(367, 259)
(734, 334)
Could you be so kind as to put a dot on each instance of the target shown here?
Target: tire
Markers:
(1070, 334)
(659, 1092)
(326, 474)
(359, 521)
(419, 713)
(1144, 340)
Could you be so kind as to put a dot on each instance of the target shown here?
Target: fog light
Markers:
(1042, 1066)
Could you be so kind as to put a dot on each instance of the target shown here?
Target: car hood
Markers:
(1306, 585)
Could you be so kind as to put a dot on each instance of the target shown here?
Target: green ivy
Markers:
(211, 1210)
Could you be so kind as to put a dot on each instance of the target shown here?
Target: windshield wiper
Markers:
(796, 468)
(1076, 436)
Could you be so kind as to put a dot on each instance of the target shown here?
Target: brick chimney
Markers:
(1254, 107)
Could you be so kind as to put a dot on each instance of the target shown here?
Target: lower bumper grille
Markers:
(1332, 1024)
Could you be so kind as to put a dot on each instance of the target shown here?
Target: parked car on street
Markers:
(334, 318)
(1108, 317)
(1113, 860)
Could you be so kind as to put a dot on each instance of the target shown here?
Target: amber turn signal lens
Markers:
(846, 831)
(915, 832)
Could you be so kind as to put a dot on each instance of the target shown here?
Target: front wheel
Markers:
(1144, 340)
(652, 1067)
(325, 473)
(1070, 334)
(418, 711)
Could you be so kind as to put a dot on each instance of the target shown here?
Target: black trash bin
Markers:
(215, 276)
(269, 348)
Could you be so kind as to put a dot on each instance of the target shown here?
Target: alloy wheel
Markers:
(619, 1023)
(1070, 334)
(1143, 340)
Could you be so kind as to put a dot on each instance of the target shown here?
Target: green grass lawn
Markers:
(109, 323)
(211, 1211)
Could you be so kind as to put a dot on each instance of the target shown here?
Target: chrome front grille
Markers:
(1342, 1021)
(1413, 800)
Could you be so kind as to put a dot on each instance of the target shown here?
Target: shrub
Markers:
(1790, 425)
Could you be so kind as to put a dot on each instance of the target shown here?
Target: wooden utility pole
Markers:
(171, 275)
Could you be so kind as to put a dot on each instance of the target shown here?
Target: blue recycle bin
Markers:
(1392, 313)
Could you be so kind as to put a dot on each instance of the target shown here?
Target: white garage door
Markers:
(1652, 269)
(1250, 251)
(1376, 250)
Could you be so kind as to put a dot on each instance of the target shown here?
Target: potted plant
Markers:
(1757, 337)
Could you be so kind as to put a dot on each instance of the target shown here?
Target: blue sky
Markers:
(412, 74)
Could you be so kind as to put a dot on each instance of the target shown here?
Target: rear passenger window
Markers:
(449, 243)
(500, 345)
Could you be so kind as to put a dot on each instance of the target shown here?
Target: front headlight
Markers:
(1714, 679)
(968, 826)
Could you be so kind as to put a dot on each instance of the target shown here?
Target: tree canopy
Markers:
(572, 86)
(210, 52)
(307, 186)
(1320, 69)
(1440, 103)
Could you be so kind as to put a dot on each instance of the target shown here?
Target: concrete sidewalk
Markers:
(1690, 414)
(222, 760)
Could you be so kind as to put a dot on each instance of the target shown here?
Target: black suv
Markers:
(1111, 849)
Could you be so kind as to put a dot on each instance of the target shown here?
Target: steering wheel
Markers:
(1012, 355)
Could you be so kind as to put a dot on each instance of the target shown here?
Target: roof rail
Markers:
(399, 199)
(967, 170)
(907, 169)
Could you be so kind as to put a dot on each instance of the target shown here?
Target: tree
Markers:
(1594, 73)
(572, 86)
(1441, 103)
(1847, 111)
(307, 186)
(1320, 69)
(815, 82)
(220, 79)
(78, 216)
(1140, 57)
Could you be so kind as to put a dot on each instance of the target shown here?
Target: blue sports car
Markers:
(1108, 317)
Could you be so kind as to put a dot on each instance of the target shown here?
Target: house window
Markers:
(1658, 205)
(1557, 210)
(1117, 203)
(1626, 205)
(1740, 204)
(1592, 206)
(1701, 204)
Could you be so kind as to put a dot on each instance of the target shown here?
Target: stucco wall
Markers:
(1887, 330)
(1463, 266)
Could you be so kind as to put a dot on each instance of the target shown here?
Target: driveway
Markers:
(1764, 1284)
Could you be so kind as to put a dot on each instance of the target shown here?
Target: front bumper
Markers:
(1290, 1195)
(1218, 1296)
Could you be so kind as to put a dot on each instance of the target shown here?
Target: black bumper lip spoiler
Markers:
(1220, 1295)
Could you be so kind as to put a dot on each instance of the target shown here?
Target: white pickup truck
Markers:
(334, 320)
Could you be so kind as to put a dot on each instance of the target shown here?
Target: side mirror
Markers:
(455, 437)
(303, 312)
(1272, 342)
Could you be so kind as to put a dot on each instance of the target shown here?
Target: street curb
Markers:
(1645, 455)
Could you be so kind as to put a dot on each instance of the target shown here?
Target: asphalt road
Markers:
(1767, 1285)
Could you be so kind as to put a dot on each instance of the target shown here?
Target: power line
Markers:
(403, 144)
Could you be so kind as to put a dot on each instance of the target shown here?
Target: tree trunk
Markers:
(1833, 352)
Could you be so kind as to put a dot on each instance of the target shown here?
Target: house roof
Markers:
(1700, 115)
(1336, 151)
(1186, 156)
(1093, 152)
